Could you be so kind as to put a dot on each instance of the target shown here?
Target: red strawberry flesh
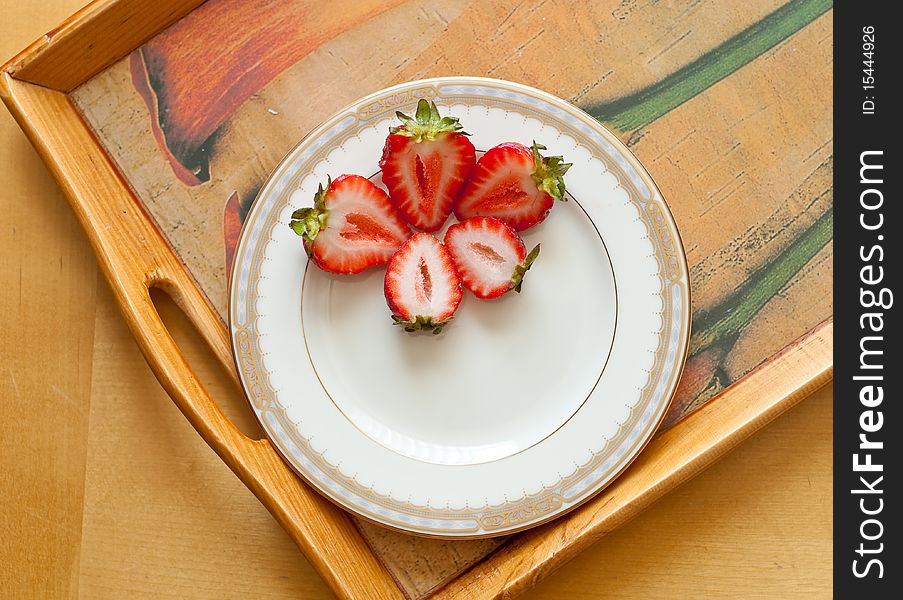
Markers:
(425, 163)
(506, 195)
(422, 286)
(363, 227)
(514, 183)
(352, 226)
(490, 256)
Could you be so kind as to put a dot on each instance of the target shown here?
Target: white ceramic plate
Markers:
(524, 406)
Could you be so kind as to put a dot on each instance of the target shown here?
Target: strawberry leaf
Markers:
(425, 111)
(421, 323)
(426, 124)
(517, 279)
(309, 221)
(548, 172)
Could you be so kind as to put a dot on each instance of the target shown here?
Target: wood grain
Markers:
(755, 525)
(773, 493)
(163, 515)
(47, 284)
(134, 257)
(92, 39)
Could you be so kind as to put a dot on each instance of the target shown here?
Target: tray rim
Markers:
(34, 86)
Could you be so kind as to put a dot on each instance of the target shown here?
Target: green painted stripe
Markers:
(642, 108)
(736, 312)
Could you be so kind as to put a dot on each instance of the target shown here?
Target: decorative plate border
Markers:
(605, 464)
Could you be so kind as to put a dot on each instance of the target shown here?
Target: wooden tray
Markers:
(159, 121)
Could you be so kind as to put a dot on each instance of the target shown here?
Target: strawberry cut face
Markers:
(513, 183)
(490, 256)
(425, 163)
(351, 227)
(422, 286)
(424, 178)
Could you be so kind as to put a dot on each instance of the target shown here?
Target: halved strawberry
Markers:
(351, 226)
(422, 286)
(513, 183)
(425, 162)
(490, 256)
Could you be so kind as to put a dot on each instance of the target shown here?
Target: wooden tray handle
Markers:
(316, 525)
(135, 257)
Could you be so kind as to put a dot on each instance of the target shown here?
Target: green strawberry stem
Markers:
(309, 221)
(426, 124)
(421, 323)
(517, 279)
(548, 172)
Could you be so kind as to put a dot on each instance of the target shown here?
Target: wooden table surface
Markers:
(106, 490)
